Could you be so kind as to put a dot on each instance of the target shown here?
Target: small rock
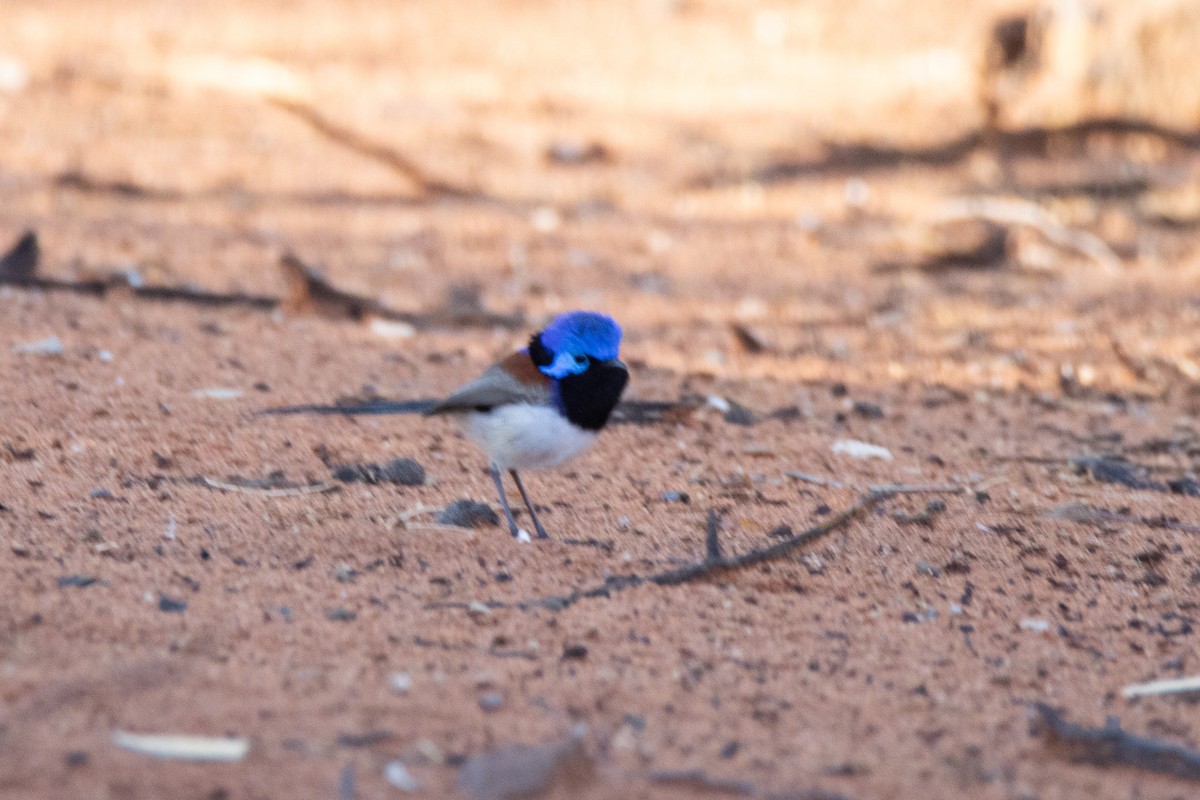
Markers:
(79, 581)
(545, 219)
(50, 346)
(218, 393)
(398, 775)
(491, 701)
(860, 450)
(340, 614)
(400, 471)
(1035, 625)
(573, 153)
(467, 514)
(392, 329)
(574, 651)
(170, 605)
(1186, 486)
(676, 497)
(21, 262)
(867, 410)
(513, 771)
(14, 74)
(924, 568)
(740, 415)
(401, 682)
(101, 494)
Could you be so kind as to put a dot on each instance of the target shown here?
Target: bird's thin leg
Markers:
(537, 524)
(512, 523)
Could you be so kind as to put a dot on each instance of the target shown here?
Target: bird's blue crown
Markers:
(572, 336)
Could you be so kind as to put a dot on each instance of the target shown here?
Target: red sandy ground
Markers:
(887, 662)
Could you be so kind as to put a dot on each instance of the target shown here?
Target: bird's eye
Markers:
(581, 359)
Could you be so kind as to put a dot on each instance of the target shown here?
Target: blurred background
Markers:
(756, 157)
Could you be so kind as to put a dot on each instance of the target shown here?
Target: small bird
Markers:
(544, 404)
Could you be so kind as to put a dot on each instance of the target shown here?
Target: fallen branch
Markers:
(376, 151)
(1109, 746)
(1007, 211)
(714, 563)
(1188, 685)
(309, 292)
(19, 267)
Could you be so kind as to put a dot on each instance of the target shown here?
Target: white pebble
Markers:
(1035, 625)
(218, 393)
(50, 346)
(861, 450)
(401, 682)
(398, 775)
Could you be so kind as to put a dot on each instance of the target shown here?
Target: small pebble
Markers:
(467, 514)
(675, 497)
(575, 651)
(340, 614)
(398, 775)
(217, 393)
(491, 701)
(101, 494)
(740, 415)
(400, 471)
(1035, 625)
(860, 450)
(50, 346)
(79, 581)
(170, 605)
(867, 410)
(401, 682)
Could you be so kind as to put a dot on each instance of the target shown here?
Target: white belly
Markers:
(524, 436)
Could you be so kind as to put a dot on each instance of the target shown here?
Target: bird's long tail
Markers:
(356, 409)
(637, 412)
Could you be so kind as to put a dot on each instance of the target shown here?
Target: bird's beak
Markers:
(614, 362)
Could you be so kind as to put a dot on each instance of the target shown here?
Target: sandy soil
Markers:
(895, 657)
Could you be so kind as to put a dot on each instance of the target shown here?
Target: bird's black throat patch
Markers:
(589, 397)
(539, 353)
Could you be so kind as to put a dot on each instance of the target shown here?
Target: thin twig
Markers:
(284, 491)
(917, 488)
(376, 151)
(1188, 685)
(1109, 746)
(714, 565)
(712, 533)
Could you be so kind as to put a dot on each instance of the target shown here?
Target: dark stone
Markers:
(467, 514)
(170, 605)
(400, 471)
(76, 580)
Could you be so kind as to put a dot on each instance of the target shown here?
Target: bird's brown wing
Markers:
(514, 380)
